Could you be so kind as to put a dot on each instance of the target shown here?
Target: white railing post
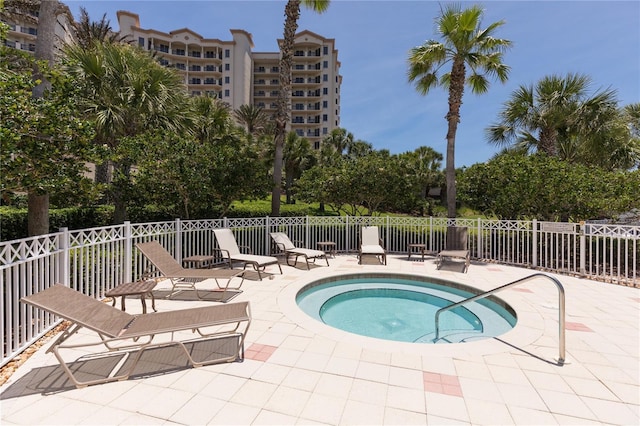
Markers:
(534, 243)
(307, 234)
(267, 237)
(479, 239)
(583, 250)
(64, 268)
(128, 253)
(178, 241)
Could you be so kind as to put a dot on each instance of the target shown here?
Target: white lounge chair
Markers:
(290, 250)
(230, 251)
(372, 244)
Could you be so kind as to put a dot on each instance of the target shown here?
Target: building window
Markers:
(275, 69)
(209, 54)
(325, 131)
(299, 107)
(316, 145)
(227, 80)
(227, 53)
(298, 53)
(275, 82)
(181, 66)
(325, 104)
(179, 52)
(325, 64)
(325, 77)
(300, 132)
(141, 41)
(325, 91)
(298, 93)
(325, 117)
(227, 67)
(325, 50)
(163, 48)
(260, 69)
(226, 93)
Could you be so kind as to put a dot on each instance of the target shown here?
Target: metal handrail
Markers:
(561, 308)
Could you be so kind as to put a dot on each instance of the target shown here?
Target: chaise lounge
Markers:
(184, 278)
(127, 336)
(372, 244)
(456, 247)
(230, 251)
(291, 251)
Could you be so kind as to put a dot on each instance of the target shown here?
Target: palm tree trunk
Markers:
(38, 203)
(456, 90)
(292, 13)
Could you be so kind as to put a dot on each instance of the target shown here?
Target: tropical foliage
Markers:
(560, 117)
(517, 186)
(467, 47)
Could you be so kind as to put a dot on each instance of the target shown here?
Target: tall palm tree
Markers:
(283, 109)
(252, 118)
(88, 32)
(129, 94)
(547, 116)
(466, 46)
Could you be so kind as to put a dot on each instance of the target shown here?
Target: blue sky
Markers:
(597, 38)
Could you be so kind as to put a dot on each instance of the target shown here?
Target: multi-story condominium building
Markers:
(23, 31)
(237, 75)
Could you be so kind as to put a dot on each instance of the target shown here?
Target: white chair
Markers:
(284, 243)
(230, 251)
(371, 244)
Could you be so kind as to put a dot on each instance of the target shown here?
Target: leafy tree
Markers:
(465, 45)
(128, 94)
(424, 166)
(283, 109)
(44, 145)
(298, 156)
(516, 186)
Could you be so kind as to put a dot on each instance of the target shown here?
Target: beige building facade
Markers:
(232, 71)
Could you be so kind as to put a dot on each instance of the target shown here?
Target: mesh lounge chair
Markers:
(127, 336)
(290, 250)
(183, 278)
(456, 247)
(228, 246)
(372, 244)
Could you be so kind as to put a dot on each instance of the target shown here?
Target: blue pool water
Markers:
(403, 309)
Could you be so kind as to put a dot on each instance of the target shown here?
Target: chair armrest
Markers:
(247, 248)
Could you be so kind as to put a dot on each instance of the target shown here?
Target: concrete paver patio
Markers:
(299, 371)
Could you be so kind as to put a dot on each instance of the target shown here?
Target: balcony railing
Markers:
(93, 261)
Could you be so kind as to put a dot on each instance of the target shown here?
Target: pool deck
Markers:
(299, 371)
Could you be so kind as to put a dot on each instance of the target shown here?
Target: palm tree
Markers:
(298, 157)
(252, 118)
(547, 117)
(129, 94)
(465, 45)
(283, 109)
(88, 32)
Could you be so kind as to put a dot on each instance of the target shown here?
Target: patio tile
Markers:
(565, 403)
(287, 400)
(266, 417)
(254, 393)
(323, 408)
(406, 399)
(612, 412)
(373, 372)
(271, 373)
(369, 392)
(198, 410)
(361, 413)
(395, 416)
(338, 386)
(235, 414)
(301, 379)
(446, 406)
(483, 412)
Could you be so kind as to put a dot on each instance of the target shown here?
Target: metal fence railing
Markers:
(93, 261)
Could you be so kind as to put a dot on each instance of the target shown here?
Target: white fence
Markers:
(93, 261)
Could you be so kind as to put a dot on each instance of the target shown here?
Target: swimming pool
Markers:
(402, 308)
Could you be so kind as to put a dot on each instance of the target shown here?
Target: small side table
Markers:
(200, 262)
(417, 249)
(139, 288)
(329, 247)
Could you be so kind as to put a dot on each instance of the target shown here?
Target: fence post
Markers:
(347, 239)
(267, 237)
(583, 250)
(64, 266)
(128, 253)
(479, 239)
(178, 241)
(307, 234)
(534, 243)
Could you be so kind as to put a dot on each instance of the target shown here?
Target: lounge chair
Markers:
(291, 251)
(186, 278)
(371, 244)
(230, 251)
(127, 336)
(456, 247)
